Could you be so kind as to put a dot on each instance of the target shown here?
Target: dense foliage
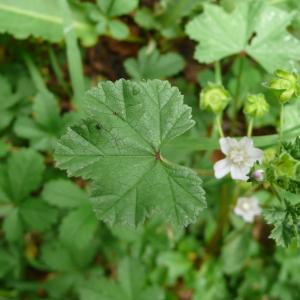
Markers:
(149, 149)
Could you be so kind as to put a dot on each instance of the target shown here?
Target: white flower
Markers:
(240, 157)
(247, 208)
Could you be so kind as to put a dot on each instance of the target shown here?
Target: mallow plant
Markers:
(149, 150)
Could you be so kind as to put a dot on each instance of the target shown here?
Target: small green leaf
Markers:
(24, 171)
(12, 226)
(176, 263)
(151, 64)
(8, 100)
(64, 193)
(119, 148)
(236, 251)
(37, 215)
(57, 258)
(78, 227)
(131, 285)
(114, 8)
(118, 29)
(47, 125)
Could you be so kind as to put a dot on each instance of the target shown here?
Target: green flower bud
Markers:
(214, 98)
(256, 105)
(285, 165)
(285, 84)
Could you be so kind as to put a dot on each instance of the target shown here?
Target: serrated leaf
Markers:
(119, 148)
(253, 27)
(42, 19)
(151, 64)
(282, 234)
(78, 227)
(130, 285)
(37, 215)
(64, 193)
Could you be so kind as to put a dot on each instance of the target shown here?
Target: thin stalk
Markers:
(73, 53)
(236, 99)
(35, 74)
(281, 122)
(219, 124)
(224, 214)
(218, 72)
(250, 127)
(56, 69)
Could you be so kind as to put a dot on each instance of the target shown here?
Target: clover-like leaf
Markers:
(253, 27)
(152, 64)
(46, 125)
(131, 285)
(79, 224)
(119, 147)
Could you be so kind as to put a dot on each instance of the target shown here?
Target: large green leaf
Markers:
(253, 27)
(119, 146)
(42, 19)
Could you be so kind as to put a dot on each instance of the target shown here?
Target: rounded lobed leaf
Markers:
(118, 147)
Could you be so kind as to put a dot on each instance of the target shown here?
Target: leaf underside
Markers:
(118, 147)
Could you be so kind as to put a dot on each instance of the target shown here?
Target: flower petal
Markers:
(239, 172)
(246, 143)
(222, 168)
(256, 155)
(248, 217)
(226, 144)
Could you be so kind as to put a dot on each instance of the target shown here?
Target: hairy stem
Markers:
(281, 122)
(219, 124)
(218, 72)
(250, 127)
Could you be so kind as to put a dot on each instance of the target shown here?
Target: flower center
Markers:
(237, 156)
(246, 206)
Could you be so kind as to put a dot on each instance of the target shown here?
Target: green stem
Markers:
(281, 122)
(218, 72)
(56, 68)
(219, 124)
(35, 74)
(250, 127)
(238, 88)
(73, 53)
